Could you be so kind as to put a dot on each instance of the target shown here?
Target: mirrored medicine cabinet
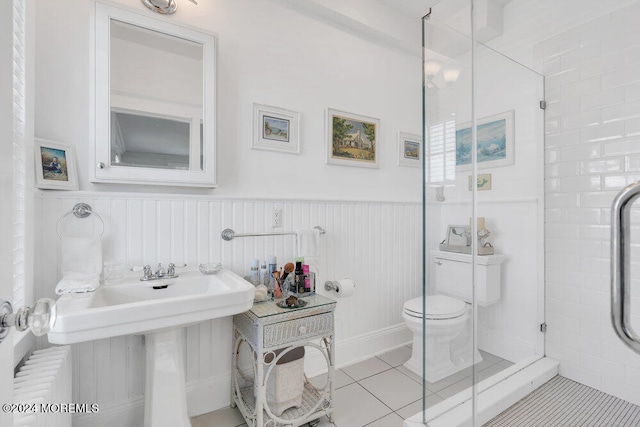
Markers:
(155, 101)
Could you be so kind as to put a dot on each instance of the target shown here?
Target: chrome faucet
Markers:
(148, 274)
(160, 271)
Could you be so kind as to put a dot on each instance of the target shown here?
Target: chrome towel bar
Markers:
(80, 210)
(228, 234)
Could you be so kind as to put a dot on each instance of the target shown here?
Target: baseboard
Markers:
(203, 396)
(359, 348)
(210, 394)
(128, 414)
(495, 395)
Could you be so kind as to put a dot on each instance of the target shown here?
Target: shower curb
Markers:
(497, 394)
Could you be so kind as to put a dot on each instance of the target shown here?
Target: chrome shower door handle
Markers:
(621, 265)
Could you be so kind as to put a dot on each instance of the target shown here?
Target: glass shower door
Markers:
(449, 314)
(483, 214)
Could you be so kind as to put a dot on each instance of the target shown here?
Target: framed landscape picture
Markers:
(409, 149)
(55, 166)
(495, 142)
(352, 139)
(275, 129)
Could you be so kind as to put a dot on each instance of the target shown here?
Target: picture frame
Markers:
(55, 165)
(457, 235)
(495, 136)
(483, 182)
(275, 129)
(409, 149)
(351, 139)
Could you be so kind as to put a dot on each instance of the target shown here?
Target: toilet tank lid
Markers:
(436, 305)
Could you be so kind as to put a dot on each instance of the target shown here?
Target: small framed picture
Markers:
(409, 149)
(275, 129)
(457, 235)
(352, 139)
(55, 166)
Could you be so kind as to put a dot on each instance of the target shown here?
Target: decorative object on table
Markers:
(409, 149)
(483, 182)
(275, 129)
(351, 139)
(292, 302)
(453, 242)
(458, 235)
(495, 146)
(261, 294)
(55, 166)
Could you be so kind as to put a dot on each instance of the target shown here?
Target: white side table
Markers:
(265, 328)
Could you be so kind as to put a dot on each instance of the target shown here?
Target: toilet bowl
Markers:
(447, 315)
(447, 321)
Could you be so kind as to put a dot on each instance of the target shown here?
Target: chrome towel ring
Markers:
(80, 210)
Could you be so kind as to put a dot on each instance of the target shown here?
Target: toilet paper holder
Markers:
(330, 286)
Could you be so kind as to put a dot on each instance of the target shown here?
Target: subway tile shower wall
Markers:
(592, 152)
(378, 244)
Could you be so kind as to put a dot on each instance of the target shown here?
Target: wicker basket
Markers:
(285, 383)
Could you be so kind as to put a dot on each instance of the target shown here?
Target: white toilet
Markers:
(447, 314)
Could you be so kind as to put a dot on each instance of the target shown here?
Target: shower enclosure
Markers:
(480, 204)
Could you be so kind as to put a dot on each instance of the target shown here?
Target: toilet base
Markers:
(436, 373)
(449, 347)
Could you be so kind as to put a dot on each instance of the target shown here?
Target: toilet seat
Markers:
(437, 307)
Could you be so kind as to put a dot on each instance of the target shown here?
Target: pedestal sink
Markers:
(135, 307)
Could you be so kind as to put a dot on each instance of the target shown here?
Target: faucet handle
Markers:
(171, 270)
(146, 272)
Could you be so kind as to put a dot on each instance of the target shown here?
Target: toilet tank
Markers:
(453, 276)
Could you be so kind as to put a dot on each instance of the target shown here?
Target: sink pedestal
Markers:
(165, 396)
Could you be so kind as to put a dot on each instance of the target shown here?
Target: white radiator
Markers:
(42, 387)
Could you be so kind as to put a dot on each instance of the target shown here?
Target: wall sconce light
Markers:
(165, 7)
(431, 68)
(450, 75)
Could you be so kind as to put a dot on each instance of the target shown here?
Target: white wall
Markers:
(592, 151)
(529, 22)
(266, 54)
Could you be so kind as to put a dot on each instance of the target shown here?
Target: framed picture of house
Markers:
(351, 139)
(495, 142)
(55, 166)
(409, 149)
(275, 129)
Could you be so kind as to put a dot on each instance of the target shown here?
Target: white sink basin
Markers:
(134, 307)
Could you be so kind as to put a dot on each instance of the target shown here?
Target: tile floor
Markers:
(378, 392)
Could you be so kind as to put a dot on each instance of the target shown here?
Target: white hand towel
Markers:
(308, 242)
(81, 265)
(81, 255)
(77, 283)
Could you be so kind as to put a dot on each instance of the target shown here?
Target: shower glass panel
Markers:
(510, 211)
(449, 351)
(489, 201)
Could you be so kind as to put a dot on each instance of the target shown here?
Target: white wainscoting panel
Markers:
(377, 244)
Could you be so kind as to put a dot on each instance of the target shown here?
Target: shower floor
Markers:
(565, 403)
